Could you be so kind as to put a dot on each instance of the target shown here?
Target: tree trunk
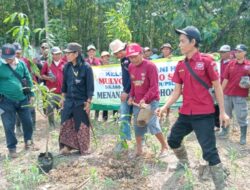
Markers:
(46, 18)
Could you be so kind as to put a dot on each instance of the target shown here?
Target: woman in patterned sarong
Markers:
(77, 92)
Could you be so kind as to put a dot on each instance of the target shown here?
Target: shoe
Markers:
(224, 133)
(218, 176)
(181, 154)
(12, 153)
(65, 150)
(243, 135)
(163, 153)
(29, 145)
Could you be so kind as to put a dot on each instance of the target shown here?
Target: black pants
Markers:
(217, 116)
(203, 126)
(104, 114)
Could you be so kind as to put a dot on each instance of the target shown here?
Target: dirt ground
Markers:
(104, 169)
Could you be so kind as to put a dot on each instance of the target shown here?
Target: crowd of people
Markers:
(70, 76)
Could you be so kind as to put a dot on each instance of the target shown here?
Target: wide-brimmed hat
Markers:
(117, 45)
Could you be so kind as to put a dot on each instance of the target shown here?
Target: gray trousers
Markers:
(239, 105)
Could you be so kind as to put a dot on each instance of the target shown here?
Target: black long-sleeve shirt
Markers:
(126, 83)
(78, 82)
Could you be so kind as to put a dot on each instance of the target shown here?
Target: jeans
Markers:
(125, 120)
(11, 108)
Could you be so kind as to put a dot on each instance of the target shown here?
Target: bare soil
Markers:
(104, 169)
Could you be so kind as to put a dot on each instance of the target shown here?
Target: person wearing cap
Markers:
(225, 54)
(105, 56)
(92, 59)
(13, 99)
(118, 48)
(197, 111)
(147, 53)
(166, 50)
(52, 73)
(154, 54)
(19, 55)
(144, 90)
(236, 86)
(77, 93)
(44, 48)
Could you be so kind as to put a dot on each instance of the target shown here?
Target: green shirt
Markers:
(10, 85)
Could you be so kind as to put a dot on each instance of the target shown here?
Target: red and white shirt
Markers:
(196, 98)
(57, 71)
(233, 73)
(144, 82)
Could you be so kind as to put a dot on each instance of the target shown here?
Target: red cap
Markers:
(133, 49)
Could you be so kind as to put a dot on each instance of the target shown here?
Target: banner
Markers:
(108, 84)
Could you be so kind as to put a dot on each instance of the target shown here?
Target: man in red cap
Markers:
(144, 90)
(197, 112)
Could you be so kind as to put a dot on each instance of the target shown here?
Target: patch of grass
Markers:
(94, 175)
(109, 183)
(233, 156)
(189, 184)
(145, 170)
(20, 178)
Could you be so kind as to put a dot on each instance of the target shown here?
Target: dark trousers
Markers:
(104, 114)
(203, 127)
(11, 108)
(33, 117)
(217, 116)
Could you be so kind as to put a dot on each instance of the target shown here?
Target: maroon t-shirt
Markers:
(57, 71)
(233, 73)
(196, 98)
(144, 81)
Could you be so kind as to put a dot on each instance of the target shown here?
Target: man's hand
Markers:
(61, 103)
(87, 107)
(161, 111)
(130, 101)
(31, 100)
(224, 120)
(142, 103)
(124, 96)
(51, 79)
